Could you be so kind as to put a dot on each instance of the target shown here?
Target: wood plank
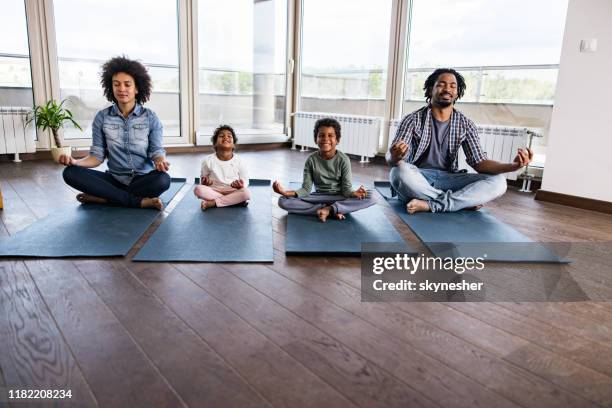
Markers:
(596, 356)
(33, 354)
(564, 372)
(195, 371)
(554, 315)
(353, 374)
(514, 383)
(548, 366)
(280, 378)
(117, 370)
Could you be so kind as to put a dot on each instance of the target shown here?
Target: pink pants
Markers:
(223, 196)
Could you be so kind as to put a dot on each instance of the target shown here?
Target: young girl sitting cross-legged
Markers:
(223, 179)
(330, 171)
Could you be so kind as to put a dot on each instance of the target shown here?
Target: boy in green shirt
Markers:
(330, 171)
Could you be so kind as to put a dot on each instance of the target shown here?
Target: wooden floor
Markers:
(289, 334)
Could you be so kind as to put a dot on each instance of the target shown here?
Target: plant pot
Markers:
(56, 152)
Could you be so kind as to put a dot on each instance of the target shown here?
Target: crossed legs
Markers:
(101, 187)
(441, 191)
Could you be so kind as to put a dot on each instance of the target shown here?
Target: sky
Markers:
(337, 33)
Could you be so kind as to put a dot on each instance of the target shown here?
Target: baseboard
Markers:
(574, 201)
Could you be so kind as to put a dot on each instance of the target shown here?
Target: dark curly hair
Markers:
(218, 130)
(431, 80)
(135, 69)
(327, 122)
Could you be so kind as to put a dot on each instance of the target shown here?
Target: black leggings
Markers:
(103, 185)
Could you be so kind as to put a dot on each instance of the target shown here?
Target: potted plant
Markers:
(53, 116)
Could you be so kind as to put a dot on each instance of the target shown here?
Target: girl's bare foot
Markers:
(152, 203)
(207, 204)
(88, 198)
(340, 216)
(416, 205)
(323, 213)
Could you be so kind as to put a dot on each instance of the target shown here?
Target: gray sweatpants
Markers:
(311, 203)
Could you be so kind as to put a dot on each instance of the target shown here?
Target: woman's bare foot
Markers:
(340, 216)
(207, 204)
(416, 205)
(323, 213)
(88, 198)
(152, 203)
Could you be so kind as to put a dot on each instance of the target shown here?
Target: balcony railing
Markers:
(518, 84)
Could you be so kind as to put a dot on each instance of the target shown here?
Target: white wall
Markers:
(579, 154)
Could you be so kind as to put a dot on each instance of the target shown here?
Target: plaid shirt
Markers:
(415, 130)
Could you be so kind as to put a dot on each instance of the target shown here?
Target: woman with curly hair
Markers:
(130, 137)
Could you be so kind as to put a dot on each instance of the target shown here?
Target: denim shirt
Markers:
(130, 144)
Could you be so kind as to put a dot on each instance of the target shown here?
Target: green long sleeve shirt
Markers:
(329, 176)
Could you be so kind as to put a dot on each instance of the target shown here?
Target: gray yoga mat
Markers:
(469, 234)
(306, 235)
(228, 234)
(85, 230)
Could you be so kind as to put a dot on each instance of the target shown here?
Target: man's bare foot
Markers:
(207, 204)
(88, 198)
(340, 216)
(416, 205)
(152, 203)
(323, 213)
(475, 208)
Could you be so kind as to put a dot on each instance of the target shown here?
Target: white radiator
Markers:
(15, 136)
(360, 134)
(499, 143)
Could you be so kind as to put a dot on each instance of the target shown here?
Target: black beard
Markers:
(443, 104)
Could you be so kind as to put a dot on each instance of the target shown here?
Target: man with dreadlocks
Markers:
(423, 155)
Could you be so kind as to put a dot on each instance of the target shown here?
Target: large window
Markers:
(242, 65)
(345, 45)
(88, 32)
(15, 74)
(508, 58)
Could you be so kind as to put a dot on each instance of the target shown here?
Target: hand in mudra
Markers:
(399, 151)
(237, 184)
(523, 157)
(66, 160)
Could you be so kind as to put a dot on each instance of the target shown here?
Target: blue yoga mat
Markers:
(85, 230)
(469, 234)
(307, 235)
(228, 234)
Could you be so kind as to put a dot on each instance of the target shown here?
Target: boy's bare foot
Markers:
(323, 213)
(475, 208)
(340, 216)
(416, 205)
(207, 204)
(152, 203)
(278, 189)
(88, 198)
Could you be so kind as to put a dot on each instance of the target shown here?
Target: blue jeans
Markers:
(103, 185)
(445, 191)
